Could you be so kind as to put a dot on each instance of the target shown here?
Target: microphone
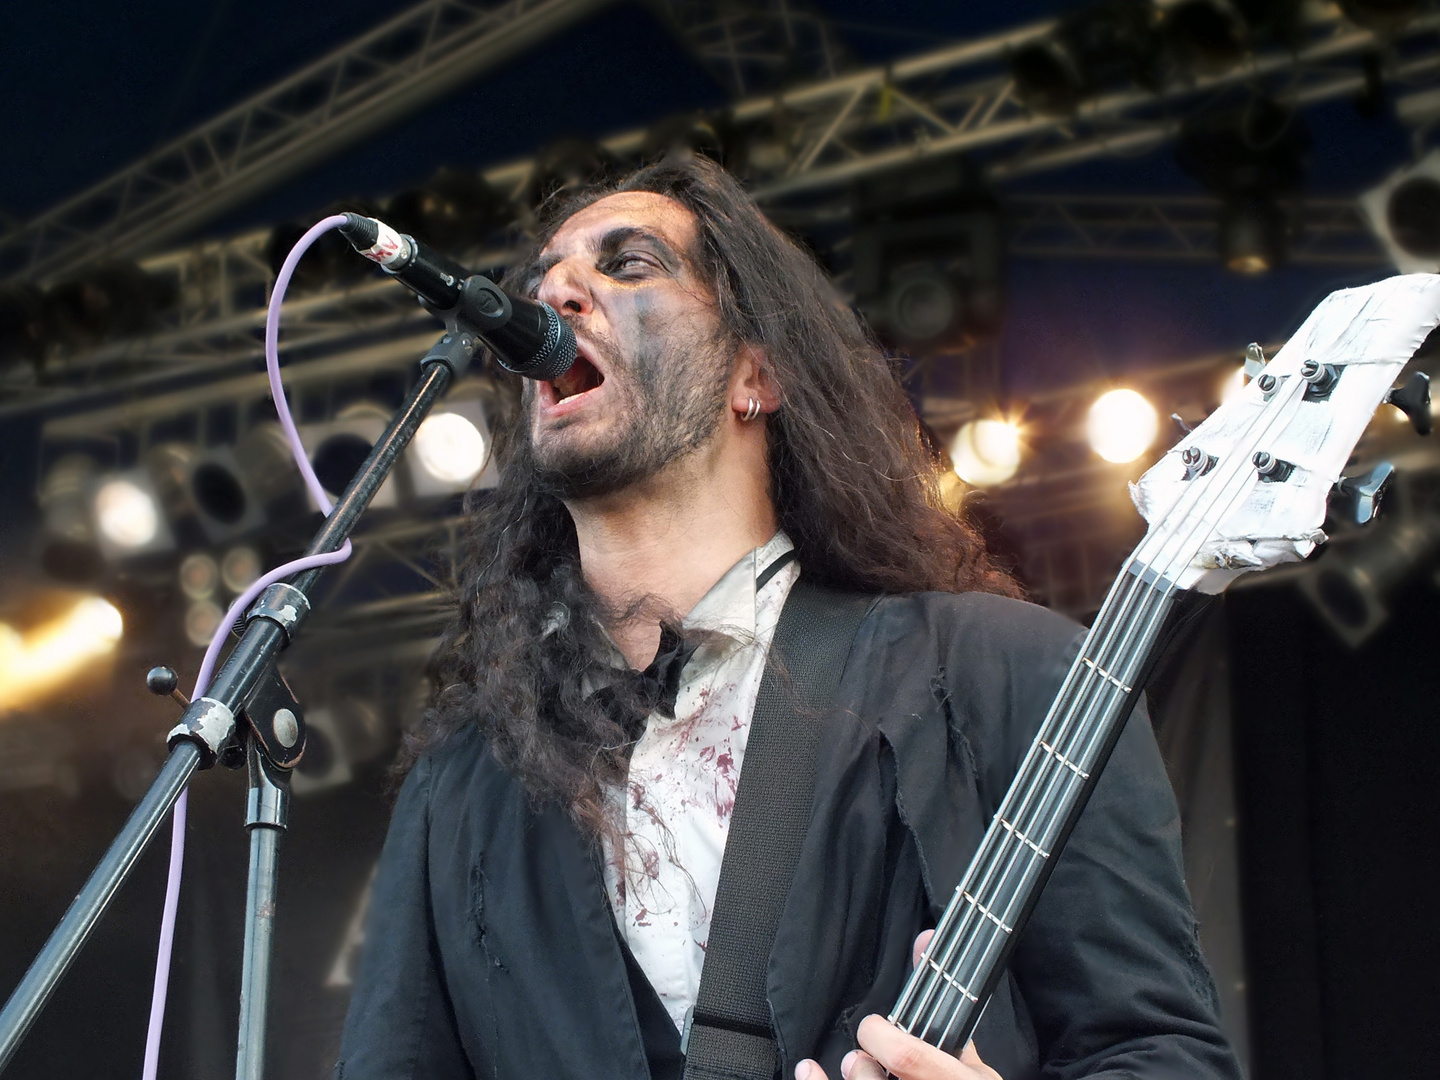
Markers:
(527, 337)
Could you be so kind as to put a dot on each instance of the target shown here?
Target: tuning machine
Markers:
(1412, 397)
(1356, 499)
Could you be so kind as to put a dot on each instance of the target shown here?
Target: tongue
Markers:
(582, 376)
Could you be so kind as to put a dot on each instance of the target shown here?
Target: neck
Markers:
(668, 540)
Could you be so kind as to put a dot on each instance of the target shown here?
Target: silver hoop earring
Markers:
(751, 411)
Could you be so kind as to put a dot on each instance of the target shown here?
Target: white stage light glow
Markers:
(1234, 383)
(1122, 425)
(986, 452)
(46, 657)
(450, 448)
(126, 514)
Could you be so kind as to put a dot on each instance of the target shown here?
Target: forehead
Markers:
(645, 210)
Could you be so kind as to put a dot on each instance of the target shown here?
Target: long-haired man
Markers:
(544, 900)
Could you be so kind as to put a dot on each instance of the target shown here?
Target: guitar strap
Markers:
(728, 1034)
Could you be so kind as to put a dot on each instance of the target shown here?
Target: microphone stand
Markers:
(249, 687)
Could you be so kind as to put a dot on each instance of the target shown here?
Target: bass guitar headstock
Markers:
(1249, 487)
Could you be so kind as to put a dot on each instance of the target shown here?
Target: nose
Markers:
(564, 289)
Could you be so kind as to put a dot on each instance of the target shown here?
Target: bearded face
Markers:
(649, 385)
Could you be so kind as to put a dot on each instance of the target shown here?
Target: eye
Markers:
(629, 260)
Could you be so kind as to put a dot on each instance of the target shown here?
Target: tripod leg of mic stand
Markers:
(90, 903)
(266, 811)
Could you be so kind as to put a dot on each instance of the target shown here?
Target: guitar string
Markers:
(1089, 706)
(1160, 598)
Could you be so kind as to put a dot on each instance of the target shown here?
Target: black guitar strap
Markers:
(728, 1035)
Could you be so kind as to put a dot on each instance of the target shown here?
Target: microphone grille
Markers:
(557, 354)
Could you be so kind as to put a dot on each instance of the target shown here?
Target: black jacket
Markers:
(491, 950)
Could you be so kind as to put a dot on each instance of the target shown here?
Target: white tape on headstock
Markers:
(1208, 527)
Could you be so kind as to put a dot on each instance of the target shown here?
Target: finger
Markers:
(859, 1065)
(910, 1058)
(809, 1070)
(919, 947)
(971, 1057)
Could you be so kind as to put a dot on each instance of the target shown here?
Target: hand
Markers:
(886, 1050)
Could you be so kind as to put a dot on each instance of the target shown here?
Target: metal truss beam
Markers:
(301, 120)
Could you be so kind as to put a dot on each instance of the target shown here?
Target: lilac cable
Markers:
(237, 610)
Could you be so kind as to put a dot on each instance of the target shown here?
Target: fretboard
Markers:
(946, 995)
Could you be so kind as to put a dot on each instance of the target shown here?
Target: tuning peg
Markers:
(1254, 360)
(163, 682)
(1413, 399)
(1357, 498)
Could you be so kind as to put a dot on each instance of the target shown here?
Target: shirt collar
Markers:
(729, 608)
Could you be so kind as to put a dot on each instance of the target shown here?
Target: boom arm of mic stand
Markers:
(204, 727)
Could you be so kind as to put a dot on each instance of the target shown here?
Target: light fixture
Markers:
(450, 448)
(126, 514)
(338, 448)
(69, 551)
(239, 568)
(1234, 383)
(1404, 212)
(199, 574)
(36, 662)
(986, 452)
(1102, 45)
(1204, 37)
(1121, 425)
(1252, 234)
(202, 619)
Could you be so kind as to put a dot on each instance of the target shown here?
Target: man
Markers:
(543, 903)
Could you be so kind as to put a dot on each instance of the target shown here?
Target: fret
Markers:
(1104, 674)
(1022, 838)
(951, 981)
(978, 906)
(1064, 761)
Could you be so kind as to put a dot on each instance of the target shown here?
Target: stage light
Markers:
(338, 448)
(454, 208)
(1121, 426)
(1404, 212)
(1252, 235)
(199, 575)
(1204, 37)
(1234, 383)
(69, 551)
(986, 452)
(1102, 45)
(202, 619)
(34, 663)
(239, 568)
(450, 448)
(1384, 16)
(127, 516)
(568, 164)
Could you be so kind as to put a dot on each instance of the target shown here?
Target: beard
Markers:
(669, 399)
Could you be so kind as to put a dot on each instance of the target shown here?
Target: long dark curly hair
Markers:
(853, 483)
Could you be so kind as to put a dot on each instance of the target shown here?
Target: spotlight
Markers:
(69, 551)
(1121, 426)
(126, 513)
(1385, 16)
(986, 452)
(113, 299)
(1351, 588)
(220, 494)
(199, 575)
(450, 448)
(691, 134)
(1404, 213)
(1234, 383)
(454, 209)
(1103, 45)
(239, 568)
(1204, 37)
(330, 261)
(928, 267)
(338, 448)
(1252, 159)
(44, 658)
(202, 619)
(1252, 235)
(567, 165)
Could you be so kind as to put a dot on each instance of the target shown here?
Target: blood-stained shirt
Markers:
(684, 773)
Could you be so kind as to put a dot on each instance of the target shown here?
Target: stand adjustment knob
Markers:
(163, 682)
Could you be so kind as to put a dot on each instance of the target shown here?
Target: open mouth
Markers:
(581, 377)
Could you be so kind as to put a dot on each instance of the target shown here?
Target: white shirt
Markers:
(683, 777)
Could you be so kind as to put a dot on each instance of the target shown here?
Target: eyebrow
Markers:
(609, 246)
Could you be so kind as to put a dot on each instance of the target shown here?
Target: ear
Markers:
(752, 379)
